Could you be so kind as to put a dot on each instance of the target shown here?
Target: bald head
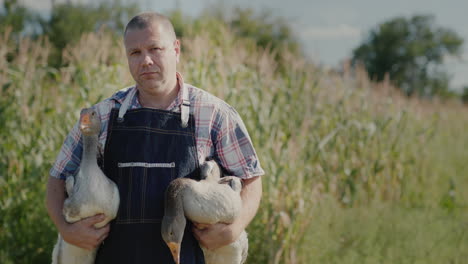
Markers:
(147, 19)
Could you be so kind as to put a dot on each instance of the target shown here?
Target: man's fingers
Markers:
(95, 219)
(197, 233)
(103, 236)
(198, 236)
(201, 226)
(103, 230)
(100, 235)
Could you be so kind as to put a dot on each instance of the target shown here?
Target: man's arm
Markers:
(218, 235)
(81, 233)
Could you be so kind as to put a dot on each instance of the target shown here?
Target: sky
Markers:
(329, 30)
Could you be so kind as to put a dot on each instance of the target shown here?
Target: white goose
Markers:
(90, 192)
(208, 201)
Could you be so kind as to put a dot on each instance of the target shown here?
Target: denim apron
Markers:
(145, 150)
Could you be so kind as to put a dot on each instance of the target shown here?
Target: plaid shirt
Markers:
(219, 133)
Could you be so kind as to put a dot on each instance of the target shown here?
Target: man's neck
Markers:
(160, 100)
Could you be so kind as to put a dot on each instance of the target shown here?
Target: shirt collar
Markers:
(120, 96)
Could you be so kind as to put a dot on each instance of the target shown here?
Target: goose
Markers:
(90, 192)
(205, 202)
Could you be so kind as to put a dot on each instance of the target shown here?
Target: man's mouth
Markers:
(148, 73)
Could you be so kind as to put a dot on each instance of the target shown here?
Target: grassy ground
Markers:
(356, 173)
(383, 233)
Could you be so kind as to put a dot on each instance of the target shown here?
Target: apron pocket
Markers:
(142, 186)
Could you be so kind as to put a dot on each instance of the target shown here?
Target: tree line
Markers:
(410, 50)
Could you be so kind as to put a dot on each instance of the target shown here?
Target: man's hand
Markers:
(83, 234)
(215, 236)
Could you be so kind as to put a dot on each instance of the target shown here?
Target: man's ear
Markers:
(177, 49)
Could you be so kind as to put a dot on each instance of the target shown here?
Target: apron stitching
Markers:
(146, 164)
(129, 194)
(140, 221)
(169, 132)
(109, 135)
(143, 193)
(152, 110)
(172, 173)
(120, 184)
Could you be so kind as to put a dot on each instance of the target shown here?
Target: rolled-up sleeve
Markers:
(234, 149)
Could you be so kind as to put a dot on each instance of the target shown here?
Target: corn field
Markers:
(355, 172)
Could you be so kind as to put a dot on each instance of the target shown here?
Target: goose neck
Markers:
(175, 197)
(89, 150)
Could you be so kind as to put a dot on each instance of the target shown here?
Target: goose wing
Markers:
(209, 203)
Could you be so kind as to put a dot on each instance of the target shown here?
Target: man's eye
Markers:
(136, 52)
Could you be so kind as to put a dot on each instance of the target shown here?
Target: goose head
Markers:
(90, 124)
(210, 170)
(172, 234)
(174, 222)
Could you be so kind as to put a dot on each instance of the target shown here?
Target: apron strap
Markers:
(184, 107)
(126, 104)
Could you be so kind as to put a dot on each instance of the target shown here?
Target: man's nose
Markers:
(147, 60)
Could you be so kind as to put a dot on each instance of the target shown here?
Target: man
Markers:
(160, 129)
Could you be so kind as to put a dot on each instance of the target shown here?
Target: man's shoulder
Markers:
(204, 99)
(106, 105)
(121, 94)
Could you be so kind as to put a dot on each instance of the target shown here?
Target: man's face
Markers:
(152, 57)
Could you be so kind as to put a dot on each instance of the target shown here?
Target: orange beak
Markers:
(85, 121)
(175, 251)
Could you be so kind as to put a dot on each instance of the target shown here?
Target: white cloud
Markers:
(331, 32)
